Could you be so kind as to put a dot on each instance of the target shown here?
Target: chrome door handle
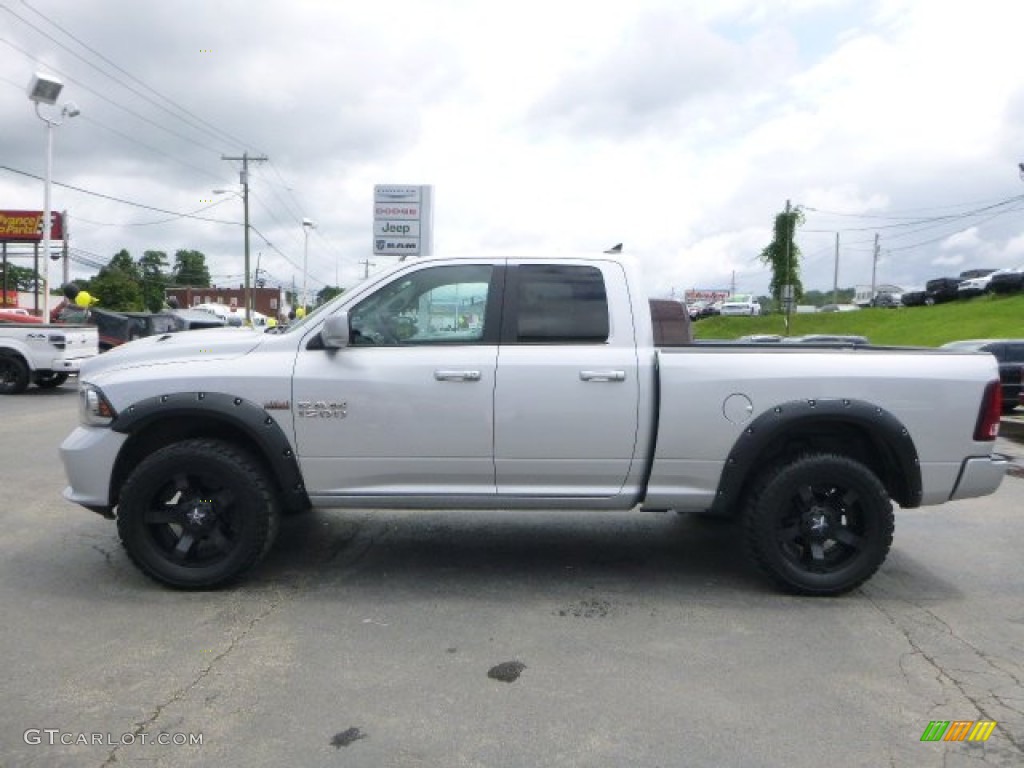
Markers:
(457, 375)
(602, 375)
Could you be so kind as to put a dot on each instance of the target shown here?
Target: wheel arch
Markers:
(159, 421)
(854, 428)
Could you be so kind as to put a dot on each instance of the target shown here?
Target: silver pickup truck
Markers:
(517, 383)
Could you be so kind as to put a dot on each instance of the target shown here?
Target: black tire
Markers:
(50, 380)
(13, 375)
(197, 514)
(821, 524)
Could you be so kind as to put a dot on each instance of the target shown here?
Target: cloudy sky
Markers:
(678, 127)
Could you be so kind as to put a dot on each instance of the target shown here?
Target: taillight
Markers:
(990, 413)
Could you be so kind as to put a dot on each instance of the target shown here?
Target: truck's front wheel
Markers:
(50, 380)
(197, 514)
(819, 525)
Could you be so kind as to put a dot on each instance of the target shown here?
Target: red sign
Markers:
(27, 226)
(705, 294)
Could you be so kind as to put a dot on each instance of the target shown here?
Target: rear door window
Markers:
(557, 304)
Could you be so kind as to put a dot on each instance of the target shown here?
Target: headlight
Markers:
(94, 409)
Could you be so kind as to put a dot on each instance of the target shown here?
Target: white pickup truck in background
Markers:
(522, 383)
(41, 354)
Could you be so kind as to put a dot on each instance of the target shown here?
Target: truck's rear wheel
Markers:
(13, 375)
(819, 525)
(197, 514)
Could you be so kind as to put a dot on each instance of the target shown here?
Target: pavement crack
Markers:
(108, 556)
(946, 676)
(202, 674)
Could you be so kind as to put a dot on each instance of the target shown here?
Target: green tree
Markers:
(18, 278)
(154, 279)
(783, 255)
(190, 269)
(327, 293)
(118, 286)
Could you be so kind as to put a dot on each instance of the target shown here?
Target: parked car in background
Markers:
(975, 286)
(741, 304)
(916, 297)
(196, 319)
(886, 299)
(18, 316)
(943, 289)
(711, 310)
(1009, 353)
(117, 328)
(827, 338)
(1006, 280)
(695, 308)
(970, 274)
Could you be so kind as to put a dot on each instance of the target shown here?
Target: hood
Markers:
(180, 347)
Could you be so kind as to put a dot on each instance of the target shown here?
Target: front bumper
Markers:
(66, 365)
(980, 476)
(89, 455)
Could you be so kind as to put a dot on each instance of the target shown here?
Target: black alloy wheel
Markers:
(197, 514)
(821, 524)
(50, 380)
(13, 375)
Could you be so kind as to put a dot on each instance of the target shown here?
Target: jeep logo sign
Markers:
(402, 220)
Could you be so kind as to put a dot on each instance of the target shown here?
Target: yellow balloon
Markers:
(83, 299)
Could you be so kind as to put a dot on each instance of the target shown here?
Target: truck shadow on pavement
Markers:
(481, 551)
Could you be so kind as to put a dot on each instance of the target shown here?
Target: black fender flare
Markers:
(245, 416)
(889, 438)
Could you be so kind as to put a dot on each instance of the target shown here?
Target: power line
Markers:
(193, 121)
(176, 214)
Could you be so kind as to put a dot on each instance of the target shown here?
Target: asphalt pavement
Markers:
(383, 638)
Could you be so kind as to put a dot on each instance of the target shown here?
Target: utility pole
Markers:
(787, 288)
(874, 267)
(366, 267)
(244, 179)
(835, 277)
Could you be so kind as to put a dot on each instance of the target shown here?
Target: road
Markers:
(451, 639)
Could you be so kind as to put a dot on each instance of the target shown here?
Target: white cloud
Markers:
(679, 128)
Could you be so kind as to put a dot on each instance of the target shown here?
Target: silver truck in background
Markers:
(515, 383)
(41, 354)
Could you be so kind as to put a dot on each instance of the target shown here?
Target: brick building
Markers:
(268, 301)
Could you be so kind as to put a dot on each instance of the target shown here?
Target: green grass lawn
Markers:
(984, 317)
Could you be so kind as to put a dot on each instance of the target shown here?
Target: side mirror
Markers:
(335, 333)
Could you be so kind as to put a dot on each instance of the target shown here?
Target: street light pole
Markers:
(307, 225)
(44, 89)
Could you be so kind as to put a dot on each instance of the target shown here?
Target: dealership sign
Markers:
(706, 294)
(403, 218)
(27, 226)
